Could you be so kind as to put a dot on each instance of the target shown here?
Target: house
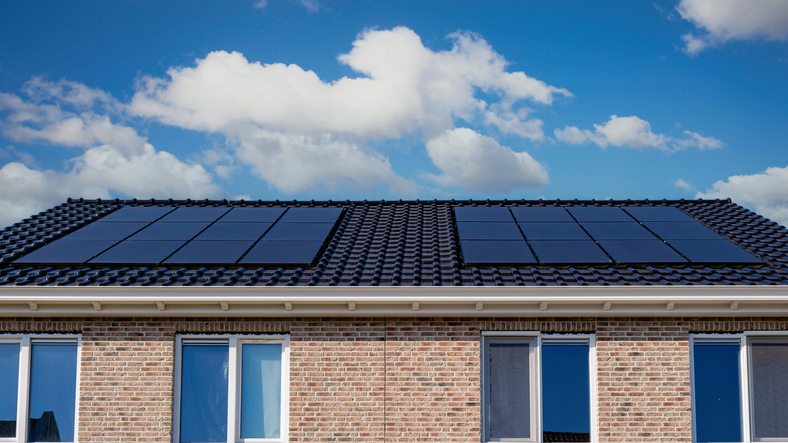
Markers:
(392, 321)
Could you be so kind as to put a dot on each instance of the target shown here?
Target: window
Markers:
(740, 388)
(537, 388)
(38, 391)
(231, 389)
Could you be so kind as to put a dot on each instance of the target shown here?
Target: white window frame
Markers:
(25, 342)
(538, 338)
(743, 340)
(235, 341)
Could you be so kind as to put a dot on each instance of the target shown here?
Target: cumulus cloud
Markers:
(720, 21)
(633, 132)
(682, 184)
(473, 161)
(766, 192)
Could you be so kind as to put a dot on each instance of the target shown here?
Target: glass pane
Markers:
(53, 391)
(769, 388)
(9, 374)
(204, 393)
(717, 398)
(261, 390)
(566, 396)
(509, 391)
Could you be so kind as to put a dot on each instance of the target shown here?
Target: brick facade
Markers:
(390, 380)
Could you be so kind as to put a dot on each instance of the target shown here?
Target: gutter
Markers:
(410, 301)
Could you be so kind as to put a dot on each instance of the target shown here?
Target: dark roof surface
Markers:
(399, 243)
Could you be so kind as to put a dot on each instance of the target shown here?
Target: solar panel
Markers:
(472, 213)
(234, 231)
(542, 214)
(106, 231)
(282, 252)
(488, 231)
(253, 215)
(640, 251)
(210, 252)
(713, 251)
(170, 231)
(299, 231)
(195, 214)
(598, 213)
(617, 230)
(137, 214)
(568, 251)
(496, 252)
(311, 215)
(67, 251)
(553, 231)
(658, 213)
(138, 252)
(682, 230)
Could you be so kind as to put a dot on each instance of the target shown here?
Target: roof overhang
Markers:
(411, 301)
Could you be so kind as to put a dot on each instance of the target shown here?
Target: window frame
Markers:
(234, 343)
(745, 380)
(26, 341)
(535, 370)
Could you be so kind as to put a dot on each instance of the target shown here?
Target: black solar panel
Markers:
(617, 230)
(137, 214)
(282, 252)
(553, 231)
(258, 215)
(67, 251)
(195, 214)
(106, 231)
(658, 213)
(210, 252)
(170, 231)
(640, 251)
(568, 251)
(299, 231)
(494, 214)
(234, 231)
(598, 213)
(488, 231)
(311, 215)
(138, 252)
(713, 251)
(682, 231)
(541, 214)
(496, 252)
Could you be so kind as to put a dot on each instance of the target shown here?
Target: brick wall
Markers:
(396, 380)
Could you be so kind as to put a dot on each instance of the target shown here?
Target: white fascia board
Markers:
(299, 301)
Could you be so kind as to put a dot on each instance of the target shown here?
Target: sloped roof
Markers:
(398, 243)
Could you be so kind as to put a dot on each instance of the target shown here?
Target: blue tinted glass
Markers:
(204, 393)
(717, 402)
(9, 374)
(53, 392)
(261, 390)
(566, 401)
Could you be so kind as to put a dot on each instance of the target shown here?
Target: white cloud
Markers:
(721, 21)
(682, 184)
(633, 132)
(476, 162)
(766, 192)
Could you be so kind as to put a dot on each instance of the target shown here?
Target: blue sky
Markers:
(322, 99)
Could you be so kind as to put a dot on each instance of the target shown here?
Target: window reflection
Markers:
(566, 401)
(53, 391)
(9, 376)
(261, 390)
(204, 381)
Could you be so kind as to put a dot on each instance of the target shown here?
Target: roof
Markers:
(398, 243)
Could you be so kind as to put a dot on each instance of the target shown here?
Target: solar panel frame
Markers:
(658, 213)
(137, 214)
(482, 214)
(598, 213)
(693, 230)
(553, 231)
(488, 231)
(282, 253)
(221, 231)
(568, 252)
(640, 251)
(299, 232)
(541, 214)
(617, 230)
(67, 251)
(311, 215)
(138, 252)
(170, 231)
(253, 215)
(210, 252)
(106, 231)
(713, 251)
(195, 214)
(496, 252)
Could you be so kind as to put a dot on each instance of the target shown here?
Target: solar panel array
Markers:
(195, 235)
(590, 235)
